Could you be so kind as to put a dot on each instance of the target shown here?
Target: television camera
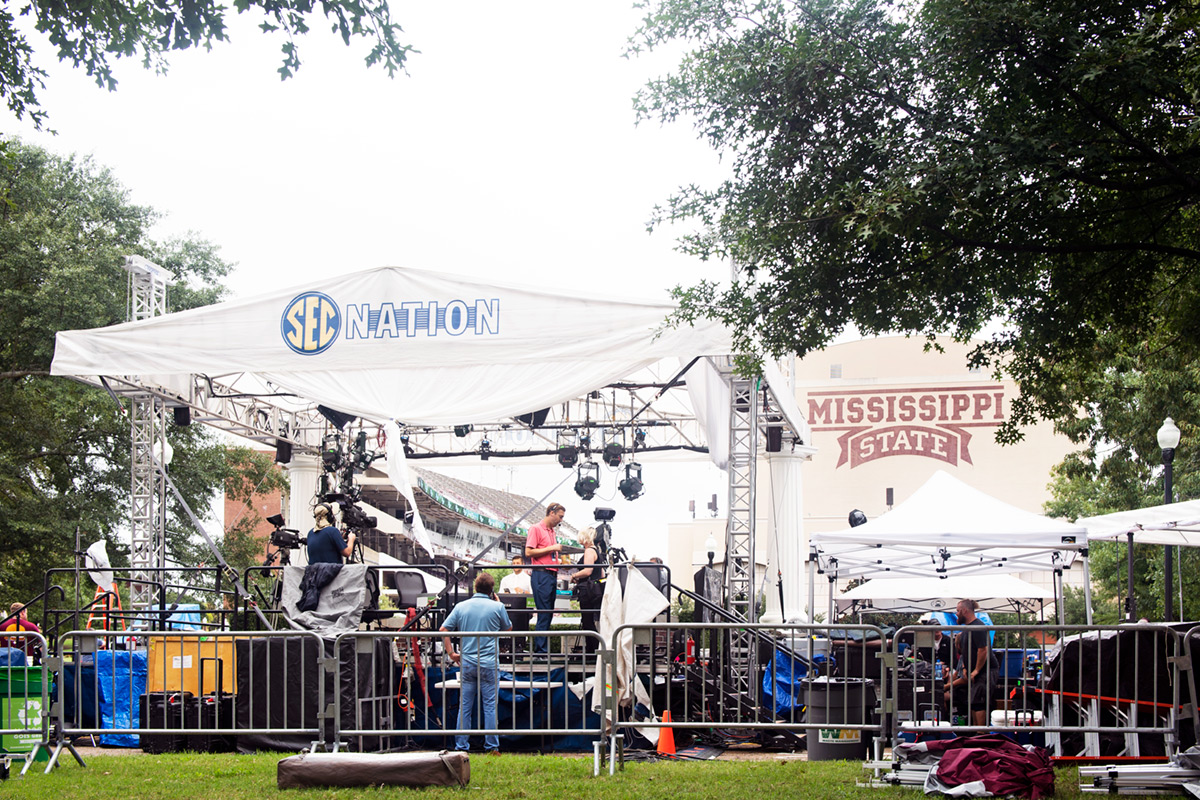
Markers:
(339, 465)
(284, 538)
(604, 547)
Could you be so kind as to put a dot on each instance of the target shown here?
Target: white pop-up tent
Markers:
(1170, 524)
(993, 592)
(947, 528)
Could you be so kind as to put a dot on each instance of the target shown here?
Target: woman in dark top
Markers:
(588, 582)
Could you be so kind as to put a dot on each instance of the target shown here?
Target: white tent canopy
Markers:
(1171, 524)
(1005, 593)
(945, 528)
(392, 343)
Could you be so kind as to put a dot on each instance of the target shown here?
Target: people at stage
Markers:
(517, 581)
(590, 589)
(969, 684)
(18, 620)
(325, 542)
(541, 548)
(478, 658)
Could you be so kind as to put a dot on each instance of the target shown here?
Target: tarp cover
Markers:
(947, 527)
(418, 346)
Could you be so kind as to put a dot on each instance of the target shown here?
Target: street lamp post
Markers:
(1168, 440)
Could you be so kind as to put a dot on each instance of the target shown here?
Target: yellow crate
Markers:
(175, 664)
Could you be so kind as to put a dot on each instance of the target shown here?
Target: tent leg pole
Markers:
(1087, 586)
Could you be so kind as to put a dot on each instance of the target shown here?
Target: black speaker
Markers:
(183, 415)
(774, 440)
(283, 451)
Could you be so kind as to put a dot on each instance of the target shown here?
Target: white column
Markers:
(787, 541)
(303, 472)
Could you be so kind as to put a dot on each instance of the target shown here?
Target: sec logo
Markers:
(311, 323)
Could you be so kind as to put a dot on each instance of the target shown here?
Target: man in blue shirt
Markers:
(325, 542)
(479, 658)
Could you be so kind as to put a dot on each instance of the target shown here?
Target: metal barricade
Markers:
(1082, 691)
(184, 690)
(406, 690)
(821, 680)
(24, 698)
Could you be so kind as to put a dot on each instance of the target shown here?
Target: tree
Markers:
(65, 228)
(942, 167)
(93, 35)
(1119, 466)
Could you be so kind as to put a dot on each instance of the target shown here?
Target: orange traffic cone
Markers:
(666, 737)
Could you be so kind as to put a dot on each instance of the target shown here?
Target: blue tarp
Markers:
(185, 617)
(784, 681)
(950, 618)
(121, 680)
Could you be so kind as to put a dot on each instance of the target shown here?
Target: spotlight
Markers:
(461, 430)
(614, 446)
(587, 480)
(631, 484)
(408, 450)
(603, 514)
(857, 518)
(568, 450)
(485, 449)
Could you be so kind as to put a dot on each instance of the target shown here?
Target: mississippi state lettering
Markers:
(868, 421)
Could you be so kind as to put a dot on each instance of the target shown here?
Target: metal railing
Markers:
(24, 698)
(1100, 691)
(540, 696)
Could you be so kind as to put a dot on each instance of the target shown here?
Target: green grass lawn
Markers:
(239, 777)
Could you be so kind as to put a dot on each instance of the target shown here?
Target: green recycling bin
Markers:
(21, 707)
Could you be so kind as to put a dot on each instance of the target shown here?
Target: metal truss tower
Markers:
(740, 585)
(148, 432)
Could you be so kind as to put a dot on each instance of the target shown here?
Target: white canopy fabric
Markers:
(392, 343)
(917, 595)
(948, 528)
(1170, 524)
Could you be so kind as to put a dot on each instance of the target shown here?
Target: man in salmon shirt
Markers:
(542, 548)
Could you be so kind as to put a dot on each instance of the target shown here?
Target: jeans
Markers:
(545, 591)
(482, 683)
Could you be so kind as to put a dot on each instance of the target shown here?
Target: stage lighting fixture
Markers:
(614, 446)
(587, 480)
(631, 485)
(857, 518)
(485, 449)
(601, 514)
(639, 439)
(462, 430)
(336, 418)
(568, 449)
(408, 450)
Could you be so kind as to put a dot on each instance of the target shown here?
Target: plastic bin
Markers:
(832, 703)
(21, 707)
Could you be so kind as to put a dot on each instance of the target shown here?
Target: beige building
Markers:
(885, 416)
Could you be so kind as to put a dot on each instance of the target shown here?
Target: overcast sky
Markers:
(508, 151)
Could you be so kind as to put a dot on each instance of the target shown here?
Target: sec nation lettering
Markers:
(422, 318)
(312, 322)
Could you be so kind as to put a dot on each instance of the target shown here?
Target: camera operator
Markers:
(325, 542)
